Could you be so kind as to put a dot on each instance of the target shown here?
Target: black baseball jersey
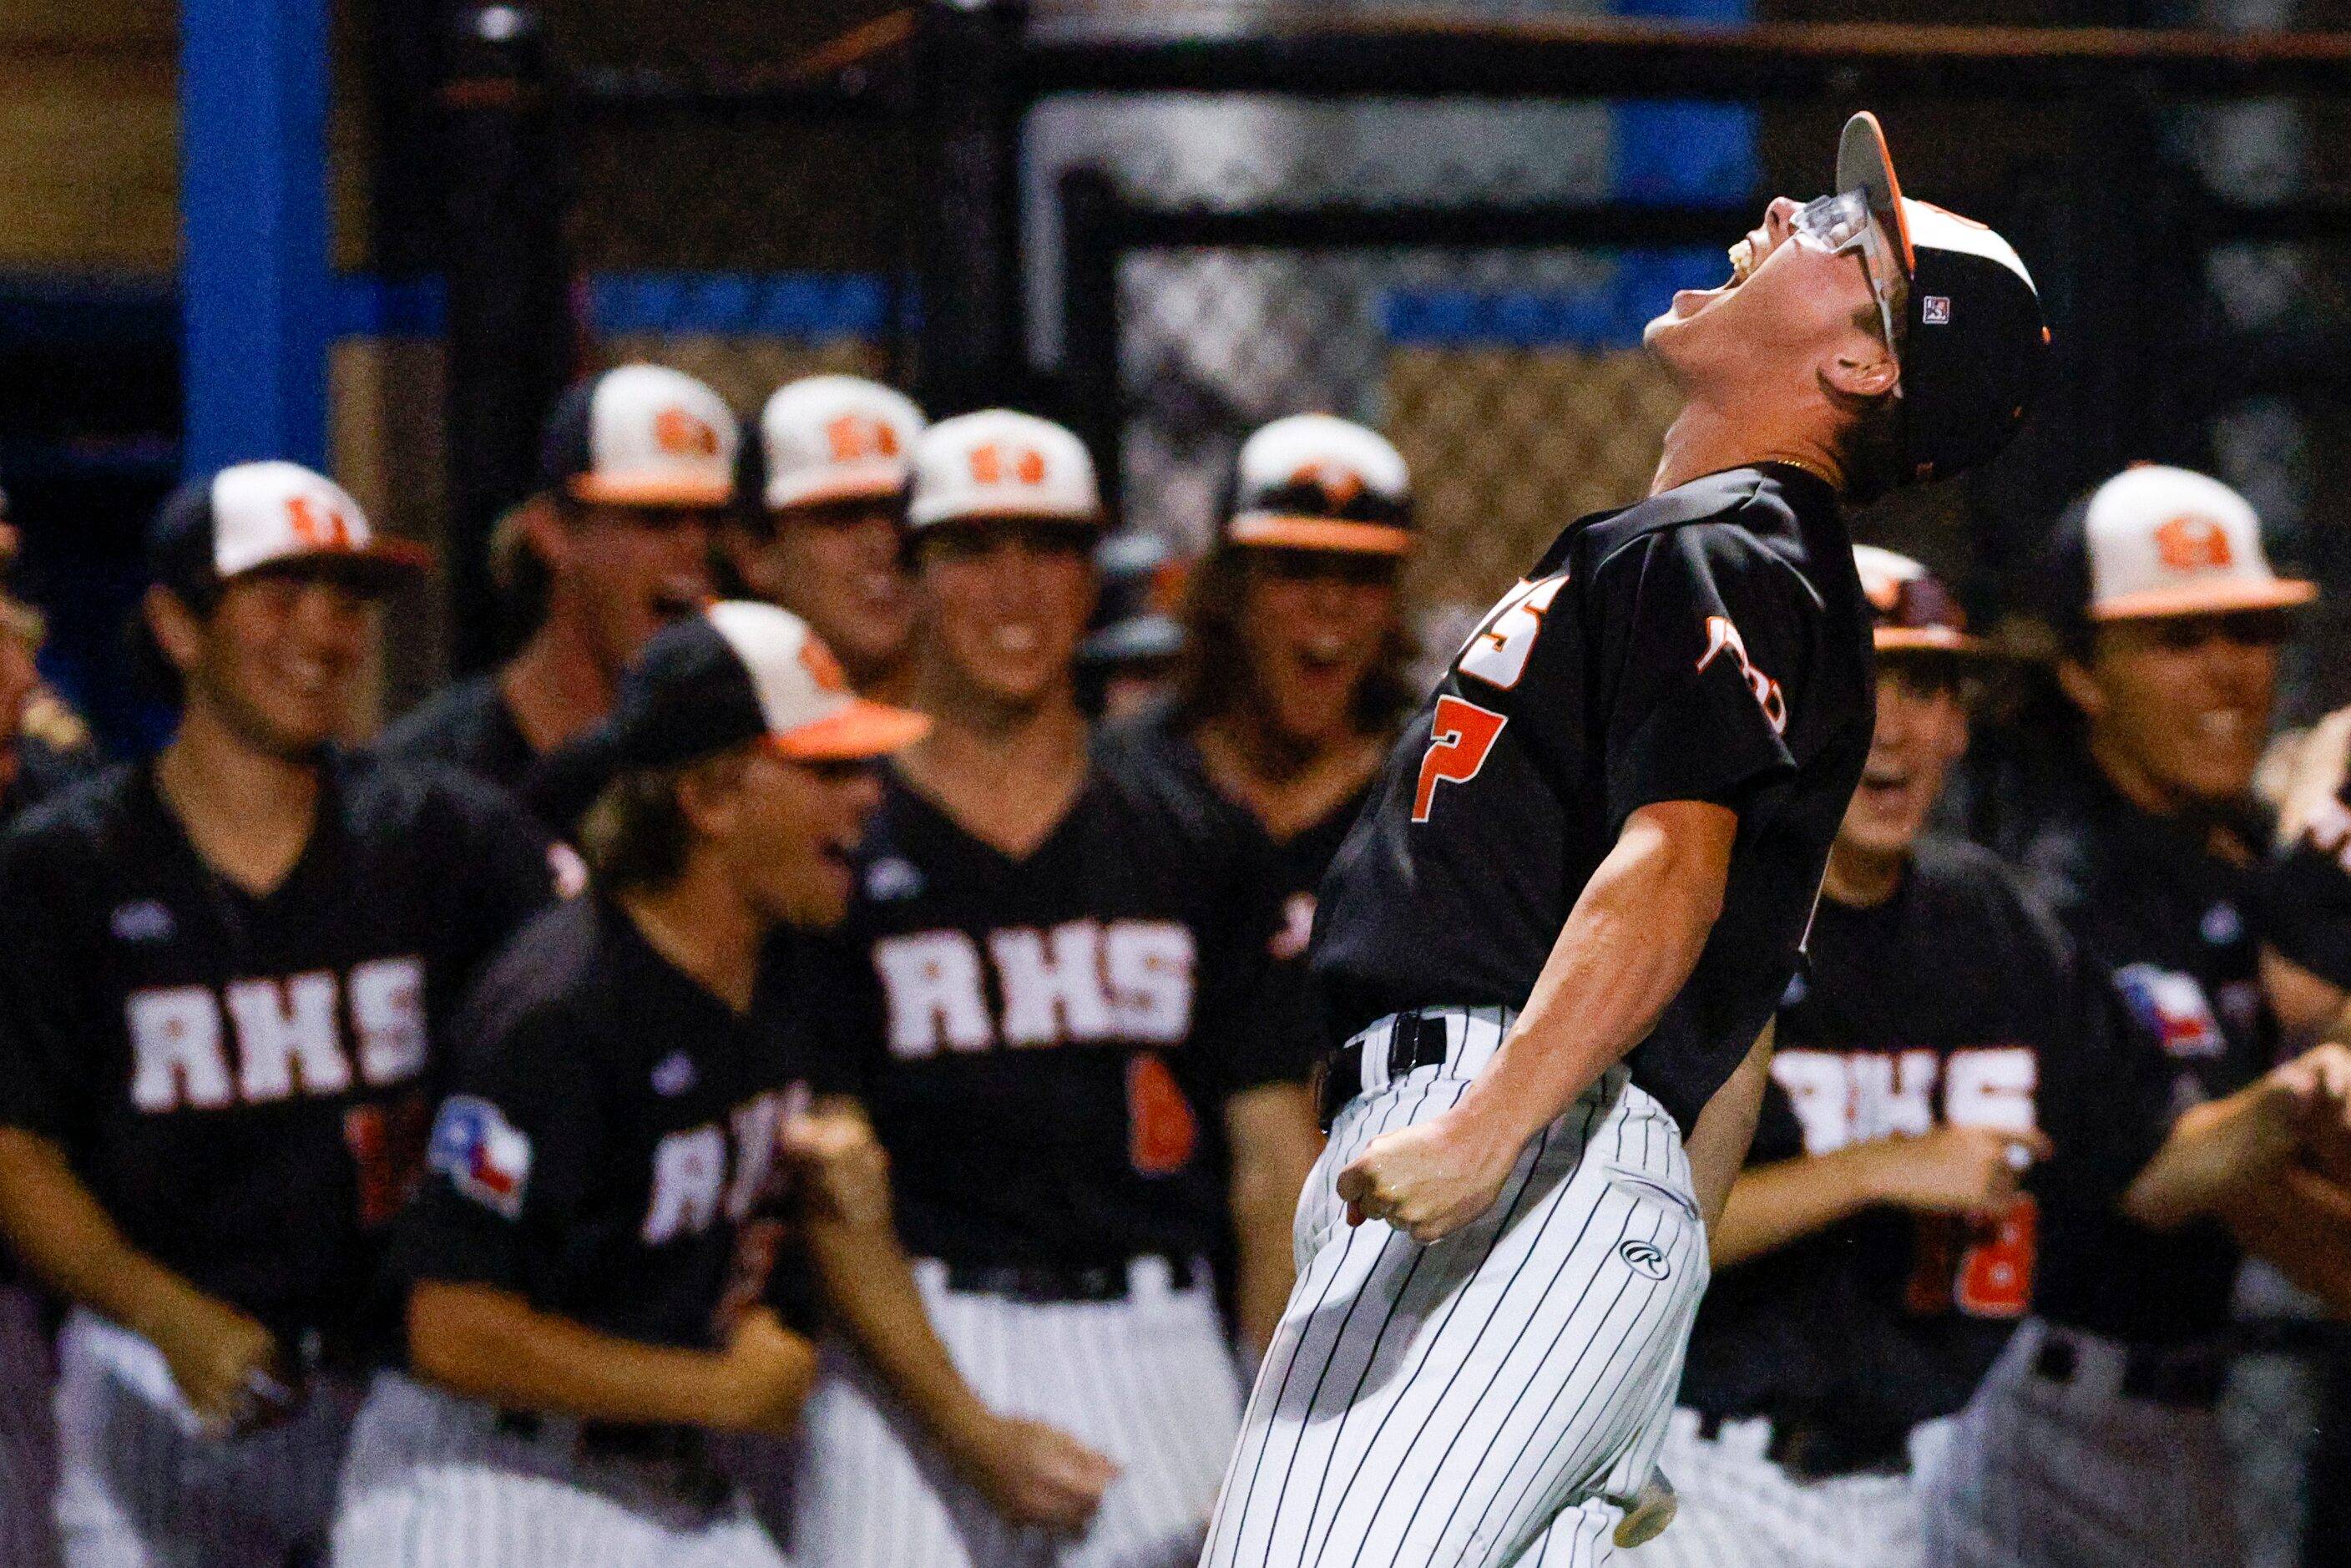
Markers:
(1296, 865)
(1710, 643)
(1955, 1002)
(245, 1083)
(464, 725)
(2172, 908)
(608, 1147)
(2306, 897)
(1046, 1044)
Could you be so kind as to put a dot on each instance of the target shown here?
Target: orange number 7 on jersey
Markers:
(1459, 740)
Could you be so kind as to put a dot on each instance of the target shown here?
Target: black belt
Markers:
(2190, 1376)
(1414, 1040)
(1823, 1446)
(676, 1459)
(1039, 1283)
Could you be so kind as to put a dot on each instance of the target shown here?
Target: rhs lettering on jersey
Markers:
(1082, 982)
(1851, 1097)
(706, 1170)
(289, 1037)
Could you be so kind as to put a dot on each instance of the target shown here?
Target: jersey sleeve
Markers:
(515, 1149)
(1706, 636)
(2307, 908)
(2103, 1097)
(834, 999)
(42, 1038)
(1254, 1014)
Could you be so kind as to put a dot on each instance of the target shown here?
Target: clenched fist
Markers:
(1427, 1180)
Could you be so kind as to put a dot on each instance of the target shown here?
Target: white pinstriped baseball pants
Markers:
(1441, 1405)
(28, 1434)
(1740, 1509)
(140, 1487)
(430, 1482)
(1148, 1381)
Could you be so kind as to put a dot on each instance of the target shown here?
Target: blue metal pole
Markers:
(253, 212)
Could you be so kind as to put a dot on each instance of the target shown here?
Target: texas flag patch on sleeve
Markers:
(484, 1155)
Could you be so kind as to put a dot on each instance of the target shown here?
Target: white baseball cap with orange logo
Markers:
(835, 438)
(1313, 481)
(642, 435)
(2159, 541)
(1000, 464)
(252, 517)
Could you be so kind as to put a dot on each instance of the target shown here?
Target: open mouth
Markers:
(1884, 785)
(675, 601)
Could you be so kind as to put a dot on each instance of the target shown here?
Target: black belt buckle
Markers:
(1414, 1040)
(2187, 1377)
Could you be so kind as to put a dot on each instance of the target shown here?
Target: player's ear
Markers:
(1862, 371)
(2081, 687)
(710, 794)
(178, 635)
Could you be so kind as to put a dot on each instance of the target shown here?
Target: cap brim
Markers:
(381, 565)
(862, 730)
(822, 489)
(1864, 164)
(663, 490)
(1011, 512)
(1927, 640)
(2210, 599)
(1285, 532)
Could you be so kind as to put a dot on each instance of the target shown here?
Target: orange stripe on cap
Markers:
(1283, 531)
(859, 729)
(2216, 598)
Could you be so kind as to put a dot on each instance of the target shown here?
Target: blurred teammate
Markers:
(821, 535)
(1127, 663)
(2172, 620)
(1054, 990)
(585, 1275)
(222, 974)
(28, 1428)
(1294, 684)
(1943, 1039)
(1554, 939)
(639, 466)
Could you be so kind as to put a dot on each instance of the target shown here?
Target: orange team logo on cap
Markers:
(855, 437)
(821, 667)
(683, 434)
(2190, 543)
(333, 531)
(1340, 484)
(992, 464)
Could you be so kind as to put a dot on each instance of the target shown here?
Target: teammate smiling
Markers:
(1562, 924)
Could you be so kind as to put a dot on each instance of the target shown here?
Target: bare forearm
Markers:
(2214, 1150)
(1717, 1145)
(869, 1287)
(74, 1247)
(1773, 1205)
(492, 1345)
(1274, 1141)
(2301, 1223)
(1626, 950)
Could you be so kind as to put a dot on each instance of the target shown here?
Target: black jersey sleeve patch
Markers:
(1706, 641)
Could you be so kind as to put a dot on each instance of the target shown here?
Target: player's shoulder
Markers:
(1957, 881)
(550, 973)
(88, 820)
(1146, 770)
(1743, 528)
(447, 726)
(400, 795)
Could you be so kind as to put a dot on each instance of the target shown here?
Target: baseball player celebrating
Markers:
(586, 1268)
(639, 466)
(1553, 941)
(1293, 682)
(2170, 619)
(817, 531)
(1055, 992)
(221, 975)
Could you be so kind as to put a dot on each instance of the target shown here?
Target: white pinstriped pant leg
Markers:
(138, 1489)
(430, 1483)
(28, 1434)
(1740, 1509)
(1442, 1403)
(1148, 1381)
(2039, 1474)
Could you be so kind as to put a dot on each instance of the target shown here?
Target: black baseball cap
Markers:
(270, 515)
(1974, 344)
